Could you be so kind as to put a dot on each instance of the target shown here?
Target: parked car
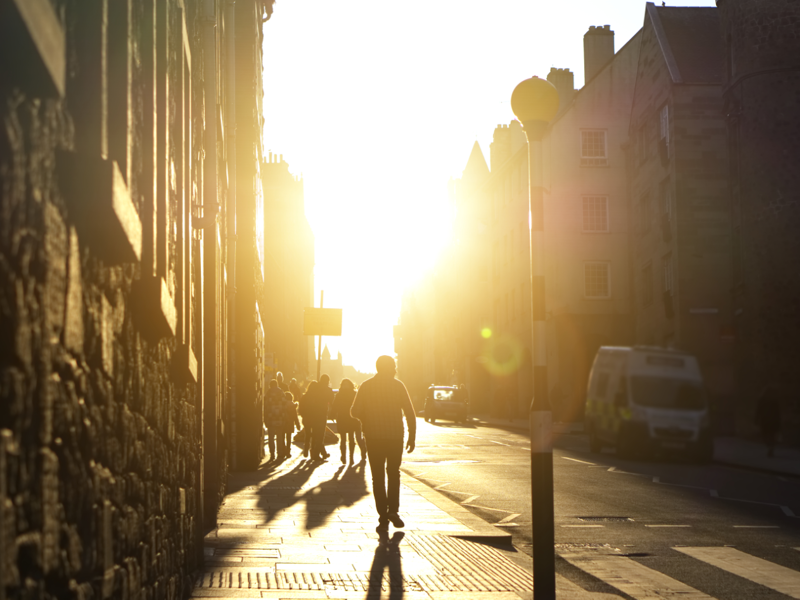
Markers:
(645, 400)
(446, 401)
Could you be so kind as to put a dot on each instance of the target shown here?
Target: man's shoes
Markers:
(396, 520)
(383, 525)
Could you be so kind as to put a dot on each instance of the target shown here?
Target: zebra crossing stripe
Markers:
(633, 578)
(776, 577)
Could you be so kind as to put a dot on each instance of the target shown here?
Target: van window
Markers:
(602, 384)
(667, 392)
(664, 361)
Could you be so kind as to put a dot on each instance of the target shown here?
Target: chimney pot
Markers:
(598, 49)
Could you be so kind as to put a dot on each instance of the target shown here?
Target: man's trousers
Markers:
(384, 458)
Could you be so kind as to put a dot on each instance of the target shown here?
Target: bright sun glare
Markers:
(378, 104)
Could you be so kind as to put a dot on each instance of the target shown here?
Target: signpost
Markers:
(322, 321)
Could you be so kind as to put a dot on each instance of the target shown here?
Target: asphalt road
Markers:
(649, 514)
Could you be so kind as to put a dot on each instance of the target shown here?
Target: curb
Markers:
(483, 531)
(754, 468)
(715, 461)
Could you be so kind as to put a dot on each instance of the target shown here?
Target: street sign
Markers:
(322, 321)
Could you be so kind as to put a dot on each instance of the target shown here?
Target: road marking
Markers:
(510, 517)
(508, 512)
(583, 526)
(470, 499)
(577, 461)
(499, 443)
(633, 578)
(756, 527)
(657, 479)
(438, 487)
(614, 470)
(766, 573)
(664, 526)
(788, 511)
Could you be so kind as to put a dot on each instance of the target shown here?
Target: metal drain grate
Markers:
(604, 519)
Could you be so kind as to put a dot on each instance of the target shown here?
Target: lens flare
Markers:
(486, 333)
(502, 355)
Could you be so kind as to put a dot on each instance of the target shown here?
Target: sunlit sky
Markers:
(377, 104)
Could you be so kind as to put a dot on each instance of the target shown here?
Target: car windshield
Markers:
(668, 392)
(445, 395)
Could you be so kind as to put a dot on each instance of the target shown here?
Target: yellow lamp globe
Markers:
(534, 100)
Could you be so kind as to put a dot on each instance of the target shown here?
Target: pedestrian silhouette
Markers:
(380, 404)
(348, 428)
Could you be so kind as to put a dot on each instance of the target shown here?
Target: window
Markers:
(647, 284)
(602, 384)
(664, 126)
(596, 280)
(595, 214)
(641, 143)
(666, 200)
(644, 214)
(668, 273)
(593, 148)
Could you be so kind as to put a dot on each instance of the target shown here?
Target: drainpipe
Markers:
(230, 39)
(209, 467)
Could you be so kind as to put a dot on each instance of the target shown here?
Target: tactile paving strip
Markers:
(462, 566)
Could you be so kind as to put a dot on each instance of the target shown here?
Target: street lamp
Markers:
(535, 103)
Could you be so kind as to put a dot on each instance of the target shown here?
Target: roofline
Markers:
(578, 92)
(663, 42)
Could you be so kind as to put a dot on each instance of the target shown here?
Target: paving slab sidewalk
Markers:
(302, 529)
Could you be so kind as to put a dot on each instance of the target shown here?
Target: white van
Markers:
(646, 400)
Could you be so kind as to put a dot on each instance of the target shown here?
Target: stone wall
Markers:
(100, 399)
(762, 107)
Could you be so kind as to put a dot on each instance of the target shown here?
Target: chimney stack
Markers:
(500, 148)
(598, 49)
(564, 82)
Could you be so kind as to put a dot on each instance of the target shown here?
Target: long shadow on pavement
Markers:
(387, 557)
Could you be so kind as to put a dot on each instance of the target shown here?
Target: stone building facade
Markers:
(680, 239)
(761, 90)
(484, 335)
(117, 391)
(289, 271)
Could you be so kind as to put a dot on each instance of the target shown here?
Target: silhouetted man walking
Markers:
(380, 405)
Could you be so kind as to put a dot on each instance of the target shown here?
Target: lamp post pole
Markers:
(535, 102)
